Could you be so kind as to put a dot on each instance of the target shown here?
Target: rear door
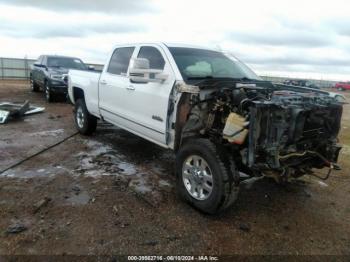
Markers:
(113, 86)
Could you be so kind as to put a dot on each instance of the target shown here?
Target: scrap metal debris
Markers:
(14, 229)
(16, 110)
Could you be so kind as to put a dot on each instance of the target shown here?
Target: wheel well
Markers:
(183, 110)
(78, 93)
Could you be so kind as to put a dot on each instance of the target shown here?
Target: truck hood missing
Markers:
(274, 127)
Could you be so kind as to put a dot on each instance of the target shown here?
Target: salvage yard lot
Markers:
(114, 193)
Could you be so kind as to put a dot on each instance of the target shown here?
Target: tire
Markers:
(33, 86)
(216, 168)
(84, 121)
(48, 93)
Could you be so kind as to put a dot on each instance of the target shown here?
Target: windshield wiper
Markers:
(200, 77)
(246, 79)
(218, 77)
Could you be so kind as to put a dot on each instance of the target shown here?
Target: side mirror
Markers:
(40, 65)
(140, 72)
(91, 68)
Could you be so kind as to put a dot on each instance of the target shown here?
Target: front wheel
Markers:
(48, 93)
(84, 121)
(206, 177)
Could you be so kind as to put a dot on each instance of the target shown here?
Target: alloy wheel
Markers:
(197, 177)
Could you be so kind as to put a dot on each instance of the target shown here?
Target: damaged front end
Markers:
(269, 130)
(293, 132)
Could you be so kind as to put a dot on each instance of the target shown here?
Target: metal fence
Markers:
(19, 68)
(15, 68)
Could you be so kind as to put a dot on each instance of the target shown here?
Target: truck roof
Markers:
(62, 56)
(168, 44)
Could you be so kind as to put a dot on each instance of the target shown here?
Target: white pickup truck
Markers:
(218, 116)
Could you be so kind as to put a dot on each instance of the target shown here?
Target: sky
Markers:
(304, 39)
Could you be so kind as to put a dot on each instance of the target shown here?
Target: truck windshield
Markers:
(66, 62)
(196, 63)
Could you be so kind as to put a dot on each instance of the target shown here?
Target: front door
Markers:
(148, 103)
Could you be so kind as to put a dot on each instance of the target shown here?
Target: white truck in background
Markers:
(217, 115)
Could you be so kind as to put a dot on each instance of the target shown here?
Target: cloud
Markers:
(291, 38)
(340, 25)
(48, 24)
(33, 30)
(105, 6)
(270, 35)
(300, 60)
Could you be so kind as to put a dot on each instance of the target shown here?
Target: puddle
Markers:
(102, 160)
(82, 198)
(43, 172)
(140, 185)
(99, 159)
(164, 183)
(127, 168)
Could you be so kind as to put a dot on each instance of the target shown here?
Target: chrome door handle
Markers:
(103, 82)
(130, 87)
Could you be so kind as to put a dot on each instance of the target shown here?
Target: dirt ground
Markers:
(113, 193)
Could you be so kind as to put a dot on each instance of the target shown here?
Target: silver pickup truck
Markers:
(218, 116)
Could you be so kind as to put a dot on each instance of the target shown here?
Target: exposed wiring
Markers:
(331, 165)
(323, 178)
(38, 153)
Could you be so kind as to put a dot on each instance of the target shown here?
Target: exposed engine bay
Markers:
(268, 129)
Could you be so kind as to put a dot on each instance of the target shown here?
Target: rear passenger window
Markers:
(155, 58)
(120, 60)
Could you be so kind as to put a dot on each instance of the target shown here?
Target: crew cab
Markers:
(47, 73)
(215, 113)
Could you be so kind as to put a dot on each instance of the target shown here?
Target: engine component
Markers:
(269, 129)
(235, 131)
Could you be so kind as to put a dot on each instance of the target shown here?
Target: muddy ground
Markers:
(113, 193)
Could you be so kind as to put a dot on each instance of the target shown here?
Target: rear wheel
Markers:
(206, 177)
(33, 86)
(84, 121)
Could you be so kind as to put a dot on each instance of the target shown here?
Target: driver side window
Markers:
(155, 58)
